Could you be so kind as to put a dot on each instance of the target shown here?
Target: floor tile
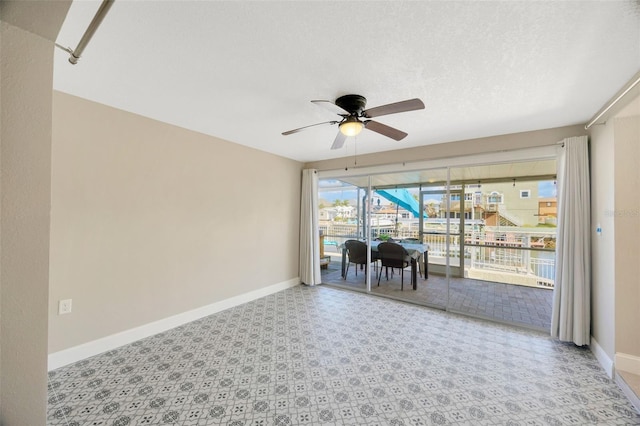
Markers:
(323, 356)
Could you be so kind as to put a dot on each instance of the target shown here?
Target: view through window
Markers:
(484, 238)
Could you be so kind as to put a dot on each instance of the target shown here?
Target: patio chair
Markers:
(414, 241)
(357, 253)
(393, 255)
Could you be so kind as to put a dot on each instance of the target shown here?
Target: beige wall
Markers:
(603, 246)
(627, 236)
(26, 71)
(456, 149)
(615, 155)
(149, 220)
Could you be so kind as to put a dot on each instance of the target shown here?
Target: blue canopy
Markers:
(401, 197)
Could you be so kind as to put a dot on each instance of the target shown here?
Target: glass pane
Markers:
(339, 216)
(509, 251)
(490, 236)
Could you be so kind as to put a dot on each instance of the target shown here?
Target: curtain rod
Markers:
(633, 83)
(91, 29)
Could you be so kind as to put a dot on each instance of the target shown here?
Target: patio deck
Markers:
(519, 305)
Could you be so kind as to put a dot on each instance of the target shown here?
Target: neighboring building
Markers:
(391, 212)
(338, 212)
(547, 210)
(498, 204)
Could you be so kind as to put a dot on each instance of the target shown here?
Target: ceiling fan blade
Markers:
(306, 127)
(403, 106)
(385, 130)
(339, 141)
(331, 107)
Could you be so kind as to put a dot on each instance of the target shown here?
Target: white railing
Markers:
(509, 260)
(522, 266)
(494, 254)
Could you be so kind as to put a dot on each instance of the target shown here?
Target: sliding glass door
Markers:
(391, 212)
(441, 228)
(481, 237)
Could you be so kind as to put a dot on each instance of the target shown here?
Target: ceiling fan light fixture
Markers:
(351, 126)
(354, 117)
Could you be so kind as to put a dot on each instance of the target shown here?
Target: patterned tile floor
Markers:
(323, 356)
(520, 305)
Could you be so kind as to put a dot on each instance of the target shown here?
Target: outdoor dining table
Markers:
(413, 249)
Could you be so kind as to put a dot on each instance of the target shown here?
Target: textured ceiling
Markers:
(246, 71)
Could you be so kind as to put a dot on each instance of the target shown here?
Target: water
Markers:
(547, 271)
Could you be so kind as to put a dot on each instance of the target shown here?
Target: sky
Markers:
(547, 189)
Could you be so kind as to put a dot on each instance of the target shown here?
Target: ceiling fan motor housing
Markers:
(353, 104)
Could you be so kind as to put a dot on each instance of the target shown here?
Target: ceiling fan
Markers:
(355, 117)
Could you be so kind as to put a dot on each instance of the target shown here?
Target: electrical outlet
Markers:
(64, 307)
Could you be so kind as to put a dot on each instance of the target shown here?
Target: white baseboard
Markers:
(628, 363)
(605, 361)
(80, 352)
(628, 391)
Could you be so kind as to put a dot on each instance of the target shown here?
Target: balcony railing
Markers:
(521, 256)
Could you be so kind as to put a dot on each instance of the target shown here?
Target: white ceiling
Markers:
(246, 71)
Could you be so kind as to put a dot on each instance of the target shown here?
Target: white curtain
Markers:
(309, 236)
(571, 315)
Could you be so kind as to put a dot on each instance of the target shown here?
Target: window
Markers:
(467, 197)
(525, 193)
(494, 197)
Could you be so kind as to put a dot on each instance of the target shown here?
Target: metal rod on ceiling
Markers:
(91, 29)
(634, 82)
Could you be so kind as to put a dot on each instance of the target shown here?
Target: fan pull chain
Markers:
(355, 151)
(346, 156)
